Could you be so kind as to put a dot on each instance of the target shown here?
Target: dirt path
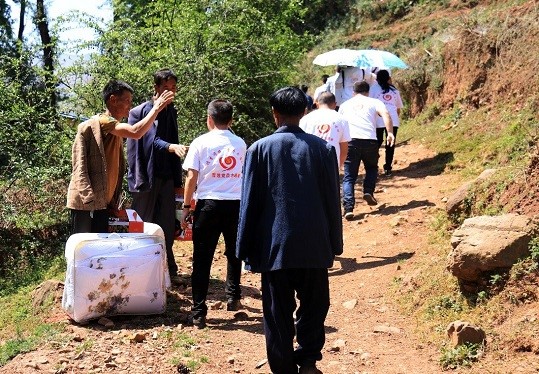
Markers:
(365, 332)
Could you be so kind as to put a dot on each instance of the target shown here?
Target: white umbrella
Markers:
(361, 58)
(342, 57)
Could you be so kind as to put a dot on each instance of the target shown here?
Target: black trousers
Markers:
(158, 206)
(311, 286)
(211, 219)
(390, 151)
(89, 221)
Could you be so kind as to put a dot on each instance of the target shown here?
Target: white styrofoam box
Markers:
(110, 274)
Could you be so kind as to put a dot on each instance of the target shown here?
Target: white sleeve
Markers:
(192, 159)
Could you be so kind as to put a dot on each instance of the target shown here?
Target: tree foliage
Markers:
(240, 50)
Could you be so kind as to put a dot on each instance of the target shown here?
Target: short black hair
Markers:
(289, 101)
(163, 75)
(304, 88)
(361, 87)
(326, 98)
(221, 111)
(325, 78)
(115, 87)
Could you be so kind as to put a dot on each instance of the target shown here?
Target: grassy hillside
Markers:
(471, 95)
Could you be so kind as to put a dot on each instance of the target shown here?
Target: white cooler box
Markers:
(110, 274)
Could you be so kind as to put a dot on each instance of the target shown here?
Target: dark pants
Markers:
(159, 206)
(89, 221)
(390, 151)
(211, 219)
(359, 150)
(311, 287)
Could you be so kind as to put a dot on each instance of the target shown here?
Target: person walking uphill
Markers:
(155, 174)
(213, 163)
(361, 112)
(290, 231)
(98, 158)
(384, 91)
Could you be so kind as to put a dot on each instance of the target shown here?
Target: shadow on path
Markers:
(428, 166)
(386, 210)
(349, 265)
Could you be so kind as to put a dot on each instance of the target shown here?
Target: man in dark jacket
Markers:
(155, 173)
(290, 230)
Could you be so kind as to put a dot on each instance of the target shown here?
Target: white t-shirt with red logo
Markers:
(218, 156)
(327, 124)
(391, 99)
(361, 112)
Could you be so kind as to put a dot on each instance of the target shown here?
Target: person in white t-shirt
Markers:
(361, 112)
(329, 125)
(322, 88)
(214, 165)
(384, 91)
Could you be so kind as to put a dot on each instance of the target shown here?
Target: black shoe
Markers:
(198, 322)
(233, 305)
(369, 199)
(348, 215)
(388, 173)
(309, 369)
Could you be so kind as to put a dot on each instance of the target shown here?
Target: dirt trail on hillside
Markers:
(365, 331)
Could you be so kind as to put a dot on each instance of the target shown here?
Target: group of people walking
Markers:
(276, 203)
(355, 124)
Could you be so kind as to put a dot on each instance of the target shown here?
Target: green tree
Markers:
(240, 50)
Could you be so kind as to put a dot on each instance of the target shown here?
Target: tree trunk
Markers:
(42, 24)
(22, 13)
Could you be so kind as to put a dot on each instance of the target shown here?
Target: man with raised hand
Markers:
(98, 159)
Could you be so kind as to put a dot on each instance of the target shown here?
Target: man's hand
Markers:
(179, 149)
(390, 139)
(160, 102)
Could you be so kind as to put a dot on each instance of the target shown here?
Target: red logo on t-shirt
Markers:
(228, 163)
(387, 97)
(322, 129)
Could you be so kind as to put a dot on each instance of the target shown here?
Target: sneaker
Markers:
(233, 305)
(388, 173)
(369, 199)
(349, 215)
(309, 369)
(198, 322)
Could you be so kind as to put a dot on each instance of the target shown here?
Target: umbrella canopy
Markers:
(361, 58)
(342, 57)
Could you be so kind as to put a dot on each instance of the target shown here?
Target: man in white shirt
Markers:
(322, 88)
(214, 165)
(329, 125)
(361, 112)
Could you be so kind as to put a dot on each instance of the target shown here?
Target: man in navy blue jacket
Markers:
(155, 170)
(290, 231)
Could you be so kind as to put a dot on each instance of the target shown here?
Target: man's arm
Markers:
(344, 152)
(140, 128)
(388, 123)
(189, 190)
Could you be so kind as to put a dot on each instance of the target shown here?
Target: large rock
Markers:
(461, 332)
(485, 244)
(455, 203)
